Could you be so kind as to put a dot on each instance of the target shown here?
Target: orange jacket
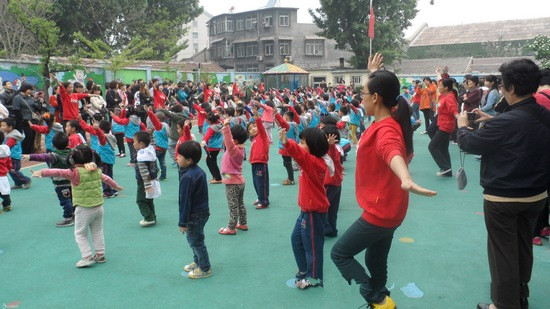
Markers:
(428, 94)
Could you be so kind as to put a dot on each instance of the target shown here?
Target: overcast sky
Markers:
(442, 13)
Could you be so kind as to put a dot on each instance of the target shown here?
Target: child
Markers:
(72, 127)
(132, 124)
(118, 131)
(343, 124)
(193, 207)
(176, 114)
(161, 135)
(212, 140)
(146, 175)
(232, 171)
(58, 159)
(259, 156)
(287, 123)
(5, 167)
(309, 233)
(333, 184)
(13, 141)
(267, 118)
(86, 180)
(184, 132)
(106, 151)
(50, 129)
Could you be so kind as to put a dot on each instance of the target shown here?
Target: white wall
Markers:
(201, 42)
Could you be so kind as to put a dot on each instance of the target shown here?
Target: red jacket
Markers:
(259, 149)
(448, 108)
(70, 103)
(184, 138)
(74, 140)
(338, 177)
(207, 93)
(5, 166)
(377, 188)
(159, 98)
(201, 115)
(311, 192)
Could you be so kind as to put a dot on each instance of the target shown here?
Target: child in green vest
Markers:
(86, 179)
(58, 159)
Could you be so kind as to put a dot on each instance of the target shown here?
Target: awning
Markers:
(267, 39)
(245, 41)
(285, 38)
(313, 37)
(216, 41)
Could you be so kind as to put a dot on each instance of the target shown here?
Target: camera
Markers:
(472, 119)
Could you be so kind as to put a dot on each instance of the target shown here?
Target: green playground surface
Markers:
(438, 257)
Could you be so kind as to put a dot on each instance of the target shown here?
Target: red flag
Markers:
(371, 22)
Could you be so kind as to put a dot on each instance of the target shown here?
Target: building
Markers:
(506, 38)
(256, 41)
(196, 36)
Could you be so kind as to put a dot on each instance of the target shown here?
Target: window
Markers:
(195, 23)
(314, 49)
(284, 48)
(268, 21)
(229, 25)
(338, 79)
(317, 81)
(284, 20)
(251, 22)
(268, 49)
(195, 35)
(268, 66)
(239, 25)
(356, 80)
(220, 26)
(252, 68)
(240, 51)
(213, 28)
(240, 68)
(252, 49)
(195, 48)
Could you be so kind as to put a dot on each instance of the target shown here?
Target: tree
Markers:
(347, 24)
(15, 38)
(37, 17)
(117, 22)
(541, 46)
(116, 60)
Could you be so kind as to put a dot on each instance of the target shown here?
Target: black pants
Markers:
(376, 241)
(428, 115)
(287, 162)
(120, 142)
(27, 145)
(542, 221)
(212, 163)
(439, 148)
(333, 196)
(509, 236)
(6, 200)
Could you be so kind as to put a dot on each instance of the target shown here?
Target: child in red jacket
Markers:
(259, 155)
(5, 167)
(333, 183)
(308, 236)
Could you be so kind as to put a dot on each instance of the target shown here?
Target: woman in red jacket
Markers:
(382, 186)
(446, 122)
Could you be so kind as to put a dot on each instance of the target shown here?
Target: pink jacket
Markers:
(267, 115)
(232, 161)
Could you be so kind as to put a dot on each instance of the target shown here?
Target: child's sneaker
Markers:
(227, 231)
(537, 241)
(147, 223)
(27, 185)
(7, 208)
(85, 262)
(306, 284)
(288, 182)
(15, 187)
(256, 203)
(545, 232)
(260, 206)
(190, 267)
(242, 227)
(65, 222)
(122, 155)
(197, 273)
(388, 304)
(100, 258)
(130, 164)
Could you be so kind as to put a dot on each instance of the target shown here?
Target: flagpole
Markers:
(370, 45)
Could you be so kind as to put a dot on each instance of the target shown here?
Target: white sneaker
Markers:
(190, 267)
(85, 262)
(147, 223)
(447, 173)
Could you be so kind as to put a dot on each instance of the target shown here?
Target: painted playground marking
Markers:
(291, 283)
(275, 184)
(1, 252)
(14, 304)
(406, 240)
(412, 291)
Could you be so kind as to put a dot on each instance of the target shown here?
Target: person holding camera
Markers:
(515, 170)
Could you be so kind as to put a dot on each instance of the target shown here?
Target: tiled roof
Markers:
(491, 65)
(427, 66)
(508, 30)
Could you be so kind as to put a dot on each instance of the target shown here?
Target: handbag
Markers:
(461, 178)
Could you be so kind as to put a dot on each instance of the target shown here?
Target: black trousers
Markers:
(439, 148)
(428, 115)
(27, 145)
(510, 250)
(333, 196)
(212, 163)
(542, 221)
(287, 162)
(376, 242)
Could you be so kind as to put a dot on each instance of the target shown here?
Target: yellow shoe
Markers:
(388, 304)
